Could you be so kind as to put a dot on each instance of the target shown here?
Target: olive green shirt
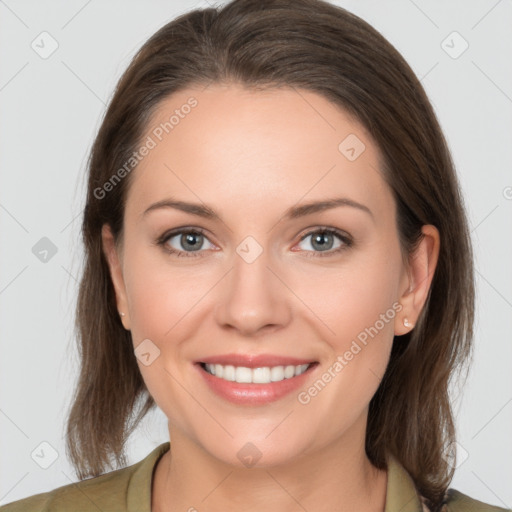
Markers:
(129, 490)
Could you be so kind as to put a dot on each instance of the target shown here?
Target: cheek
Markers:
(355, 297)
(160, 295)
(357, 307)
(161, 301)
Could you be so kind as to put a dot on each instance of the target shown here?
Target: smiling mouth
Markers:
(260, 375)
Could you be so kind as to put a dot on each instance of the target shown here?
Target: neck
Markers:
(338, 477)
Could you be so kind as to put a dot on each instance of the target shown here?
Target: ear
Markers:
(114, 260)
(417, 279)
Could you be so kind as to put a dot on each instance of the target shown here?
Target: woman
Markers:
(277, 256)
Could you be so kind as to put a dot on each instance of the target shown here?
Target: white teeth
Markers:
(262, 375)
(243, 374)
(228, 373)
(277, 373)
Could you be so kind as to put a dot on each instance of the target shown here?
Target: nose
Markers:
(254, 297)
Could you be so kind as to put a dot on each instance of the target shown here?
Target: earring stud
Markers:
(121, 313)
(407, 323)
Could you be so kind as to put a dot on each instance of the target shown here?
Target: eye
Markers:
(184, 242)
(323, 239)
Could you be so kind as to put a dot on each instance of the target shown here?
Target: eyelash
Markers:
(347, 242)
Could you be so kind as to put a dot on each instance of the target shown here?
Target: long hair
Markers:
(316, 46)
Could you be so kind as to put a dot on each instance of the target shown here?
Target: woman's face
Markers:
(251, 279)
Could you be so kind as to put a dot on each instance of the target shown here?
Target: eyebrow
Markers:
(295, 212)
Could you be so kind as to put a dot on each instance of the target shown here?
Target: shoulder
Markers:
(456, 501)
(96, 493)
(123, 489)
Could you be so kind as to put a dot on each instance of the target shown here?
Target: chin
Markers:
(256, 453)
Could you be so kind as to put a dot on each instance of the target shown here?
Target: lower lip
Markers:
(254, 394)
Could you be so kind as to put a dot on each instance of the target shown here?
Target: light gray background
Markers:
(51, 110)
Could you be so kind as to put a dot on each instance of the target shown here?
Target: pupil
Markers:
(318, 239)
(189, 239)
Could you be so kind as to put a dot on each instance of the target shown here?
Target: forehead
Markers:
(229, 145)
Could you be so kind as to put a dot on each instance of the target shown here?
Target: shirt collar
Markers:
(401, 493)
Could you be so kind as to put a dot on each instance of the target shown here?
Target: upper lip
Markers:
(255, 360)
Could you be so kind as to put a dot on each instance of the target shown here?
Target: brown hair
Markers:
(319, 47)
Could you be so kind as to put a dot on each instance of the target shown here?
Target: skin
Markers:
(250, 155)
